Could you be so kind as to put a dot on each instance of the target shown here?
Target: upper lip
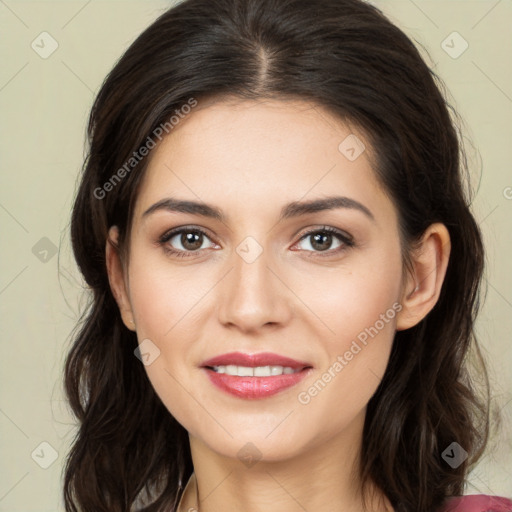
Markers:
(253, 360)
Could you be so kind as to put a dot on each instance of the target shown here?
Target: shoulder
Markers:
(477, 503)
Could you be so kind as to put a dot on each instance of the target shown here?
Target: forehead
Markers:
(267, 152)
(241, 128)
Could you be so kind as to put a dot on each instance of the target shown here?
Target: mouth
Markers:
(257, 371)
(255, 376)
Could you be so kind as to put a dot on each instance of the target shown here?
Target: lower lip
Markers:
(255, 387)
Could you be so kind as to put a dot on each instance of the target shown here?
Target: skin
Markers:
(250, 159)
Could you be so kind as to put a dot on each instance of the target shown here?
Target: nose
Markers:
(254, 292)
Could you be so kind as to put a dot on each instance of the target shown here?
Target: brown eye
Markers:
(181, 241)
(321, 240)
(191, 240)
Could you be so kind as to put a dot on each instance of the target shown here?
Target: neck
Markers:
(322, 478)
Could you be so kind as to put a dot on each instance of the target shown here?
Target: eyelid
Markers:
(346, 237)
(178, 230)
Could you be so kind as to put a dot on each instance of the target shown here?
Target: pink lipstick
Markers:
(254, 376)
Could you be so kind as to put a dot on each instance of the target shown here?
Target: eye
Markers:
(190, 239)
(321, 240)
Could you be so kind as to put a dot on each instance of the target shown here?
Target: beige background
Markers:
(44, 104)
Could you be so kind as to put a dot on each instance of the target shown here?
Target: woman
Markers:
(284, 268)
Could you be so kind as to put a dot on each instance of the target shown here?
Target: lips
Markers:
(253, 360)
(288, 373)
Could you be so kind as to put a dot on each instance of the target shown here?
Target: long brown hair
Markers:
(344, 55)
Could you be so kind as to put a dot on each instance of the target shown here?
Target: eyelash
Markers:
(346, 240)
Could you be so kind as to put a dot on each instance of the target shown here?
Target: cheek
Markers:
(336, 395)
(162, 304)
(171, 305)
(165, 324)
(357, 297)
(165, 300)
(358, 310)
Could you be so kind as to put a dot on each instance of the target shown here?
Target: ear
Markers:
(422, 287)
(116, 278)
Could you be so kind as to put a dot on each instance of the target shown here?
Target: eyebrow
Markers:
(291, 210)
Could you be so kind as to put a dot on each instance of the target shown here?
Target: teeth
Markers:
(258, 371)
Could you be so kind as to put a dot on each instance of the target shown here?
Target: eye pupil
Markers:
(317, 238)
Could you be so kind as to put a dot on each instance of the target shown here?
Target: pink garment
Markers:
(477, 503)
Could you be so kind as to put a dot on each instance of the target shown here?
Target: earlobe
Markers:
(422, 288)
(116, 278)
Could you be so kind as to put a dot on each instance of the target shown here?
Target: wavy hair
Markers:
(129, 453)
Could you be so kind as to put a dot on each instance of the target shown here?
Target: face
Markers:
(265, 277)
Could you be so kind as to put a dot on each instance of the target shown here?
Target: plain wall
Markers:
(44, 104)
